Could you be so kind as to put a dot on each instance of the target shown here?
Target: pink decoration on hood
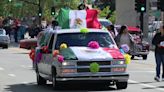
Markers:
(93, 44)
(115, 53)
(60, 58)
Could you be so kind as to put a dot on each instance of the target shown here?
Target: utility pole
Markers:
(145, 22)
(142, 6)
(142, 21)
(162, 11)
(40, 12)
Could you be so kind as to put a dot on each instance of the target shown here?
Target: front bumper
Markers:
(96, 77)
(3, 43)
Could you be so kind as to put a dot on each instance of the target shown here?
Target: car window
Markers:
(80, 39)
(105, 23)
(1, 32)
(43, 38)
(51, 42)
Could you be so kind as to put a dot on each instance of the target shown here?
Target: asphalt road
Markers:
(16, 75)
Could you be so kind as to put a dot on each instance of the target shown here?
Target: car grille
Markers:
(87, 63)
(87, 70)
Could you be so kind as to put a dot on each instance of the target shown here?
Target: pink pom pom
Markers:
(39, 57)
(93, 44)
(60, 58)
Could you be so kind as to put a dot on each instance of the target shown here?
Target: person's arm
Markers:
(131, 38)
(117, 39)
(155, 40)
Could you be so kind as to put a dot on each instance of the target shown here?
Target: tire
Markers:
(132, 57)
(121, 85)
(144, 57)
(5, 47)
(40, 80)
(54, 83)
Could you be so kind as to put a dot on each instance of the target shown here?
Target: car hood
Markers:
(86, 53)
(4, 37)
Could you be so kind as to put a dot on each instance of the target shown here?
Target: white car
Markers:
(79, 58)
(4, 39)
(105, 22)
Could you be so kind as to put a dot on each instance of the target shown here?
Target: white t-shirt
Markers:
(124, 40)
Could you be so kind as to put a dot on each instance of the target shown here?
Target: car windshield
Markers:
(1, 32)
(81, 39)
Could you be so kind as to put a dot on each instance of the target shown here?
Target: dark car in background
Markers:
(28, 43)
(140, 47)
(4, 39)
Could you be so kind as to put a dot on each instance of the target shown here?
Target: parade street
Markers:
(17, 75)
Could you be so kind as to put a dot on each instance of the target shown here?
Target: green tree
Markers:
(107, 11)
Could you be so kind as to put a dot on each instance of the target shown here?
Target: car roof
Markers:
(61, 31)
(133, 29)
(130, 28)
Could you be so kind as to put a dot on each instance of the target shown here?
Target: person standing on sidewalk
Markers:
(124, 39)
(158, 41)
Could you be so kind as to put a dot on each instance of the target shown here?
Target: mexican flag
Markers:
(85, 53)
(78, 18)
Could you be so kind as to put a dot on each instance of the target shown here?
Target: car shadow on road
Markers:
(33, 87)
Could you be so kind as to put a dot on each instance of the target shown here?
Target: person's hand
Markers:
(159, 45)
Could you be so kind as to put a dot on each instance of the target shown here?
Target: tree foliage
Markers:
(22, 8)
(106, 11)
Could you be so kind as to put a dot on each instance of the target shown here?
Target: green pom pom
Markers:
(94, 67)
(84, 30)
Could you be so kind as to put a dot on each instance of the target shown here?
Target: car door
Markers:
(50, 55)
(45, 56)
(41, 63)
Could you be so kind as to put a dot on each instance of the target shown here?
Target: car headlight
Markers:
(68, 63)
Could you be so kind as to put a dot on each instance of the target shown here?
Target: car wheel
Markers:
(40, 80)
(54, 83)
(5, 46)
(144, 57)
(132, 57)
(121, 85)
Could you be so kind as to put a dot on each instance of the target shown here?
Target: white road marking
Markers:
(23, 66)
(30, 66)
(27, 67)
(24, 82)
(12, 75)
(1, 69)
(146, 85)
(141, 71)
